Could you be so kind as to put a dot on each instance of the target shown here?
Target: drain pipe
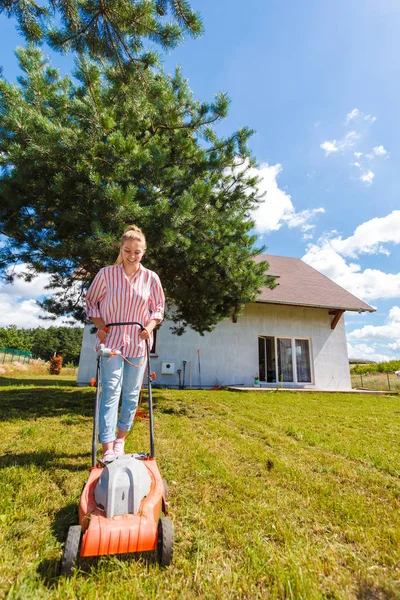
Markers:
(179, 375)
(183, 376)
(198, 355)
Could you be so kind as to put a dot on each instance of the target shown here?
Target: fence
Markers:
(376, 381)
(11, 355)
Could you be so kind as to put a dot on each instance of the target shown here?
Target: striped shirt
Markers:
(114, 298)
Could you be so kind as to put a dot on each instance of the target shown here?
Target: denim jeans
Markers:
(117, 375)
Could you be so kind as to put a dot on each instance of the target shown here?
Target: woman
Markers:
(126, 291)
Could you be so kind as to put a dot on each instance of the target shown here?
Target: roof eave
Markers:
(359, 310)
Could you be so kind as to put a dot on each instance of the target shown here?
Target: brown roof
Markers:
(301, 285)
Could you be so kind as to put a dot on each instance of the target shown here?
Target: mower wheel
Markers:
(165, 542)
(71, 550)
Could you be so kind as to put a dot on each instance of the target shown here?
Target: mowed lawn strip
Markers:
(273, 495)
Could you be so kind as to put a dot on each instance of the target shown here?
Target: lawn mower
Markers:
(123, 505)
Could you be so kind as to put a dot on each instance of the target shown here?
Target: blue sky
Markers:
(319, 81)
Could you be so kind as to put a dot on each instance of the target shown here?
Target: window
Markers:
(267, 362)
(286, 360)
(285, 363)
(303, 361)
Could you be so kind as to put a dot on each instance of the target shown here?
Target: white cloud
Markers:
(394, 346)
(23, 289)
(367, 285)
(303, 218)
(365, 352)
(345, 143)
(368, 237)
(330, 147)
(277, 207)
(352, 115)
(18, 304)
(367, 177)
(372, 341)
(356, 113)
(328, 255)
(23, 313)
(383, 333)
(379, 151)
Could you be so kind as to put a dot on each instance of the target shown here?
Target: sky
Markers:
(319, 82)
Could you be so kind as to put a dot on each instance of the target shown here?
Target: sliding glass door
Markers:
(303, 363)
(266, 359)
(286, 360)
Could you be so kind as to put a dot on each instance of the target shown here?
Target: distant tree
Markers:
(17, 339)
(362, 369)
(83, 159)
(361, 361)
(66, 341)
(43, 343)
(70, 339)
(389, 367)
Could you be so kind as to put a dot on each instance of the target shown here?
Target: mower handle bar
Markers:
(152, 452)
(126, 323)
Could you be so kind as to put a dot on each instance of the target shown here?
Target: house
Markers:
(293, 336)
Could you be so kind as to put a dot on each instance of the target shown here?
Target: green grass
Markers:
(273, 495)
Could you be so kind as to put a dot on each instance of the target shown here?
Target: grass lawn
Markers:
(273, 495)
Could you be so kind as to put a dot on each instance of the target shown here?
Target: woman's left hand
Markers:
(144, 334)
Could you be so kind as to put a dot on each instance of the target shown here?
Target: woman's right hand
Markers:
(100, 324)
(101, 334)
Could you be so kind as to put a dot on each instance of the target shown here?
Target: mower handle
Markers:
(126, 323)
(149, 379)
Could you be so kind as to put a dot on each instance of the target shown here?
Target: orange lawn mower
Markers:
(123, 506)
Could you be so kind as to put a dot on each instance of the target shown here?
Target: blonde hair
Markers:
(132, 233)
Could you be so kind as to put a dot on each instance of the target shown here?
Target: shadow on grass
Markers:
(31, 403)
(49, 569)
(63, 519)
(35, 381)
(35, 402)
(45, 460)
(369, 591)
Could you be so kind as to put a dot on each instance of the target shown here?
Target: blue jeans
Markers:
(117, 375)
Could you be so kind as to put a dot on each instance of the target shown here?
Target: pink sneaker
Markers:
(108, 456)
(119, 444)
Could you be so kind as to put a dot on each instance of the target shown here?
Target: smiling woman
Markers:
(124, 292)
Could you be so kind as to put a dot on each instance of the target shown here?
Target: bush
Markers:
(383, 367)
(389, 367)
(364, 369)
(55, 365)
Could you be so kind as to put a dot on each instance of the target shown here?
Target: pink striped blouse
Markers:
(114, 298)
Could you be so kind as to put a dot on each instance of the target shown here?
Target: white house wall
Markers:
(229, 354)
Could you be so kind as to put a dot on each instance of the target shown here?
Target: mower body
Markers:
(121, 506)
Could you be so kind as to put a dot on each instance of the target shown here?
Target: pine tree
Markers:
(115, 30)
(83, 159)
